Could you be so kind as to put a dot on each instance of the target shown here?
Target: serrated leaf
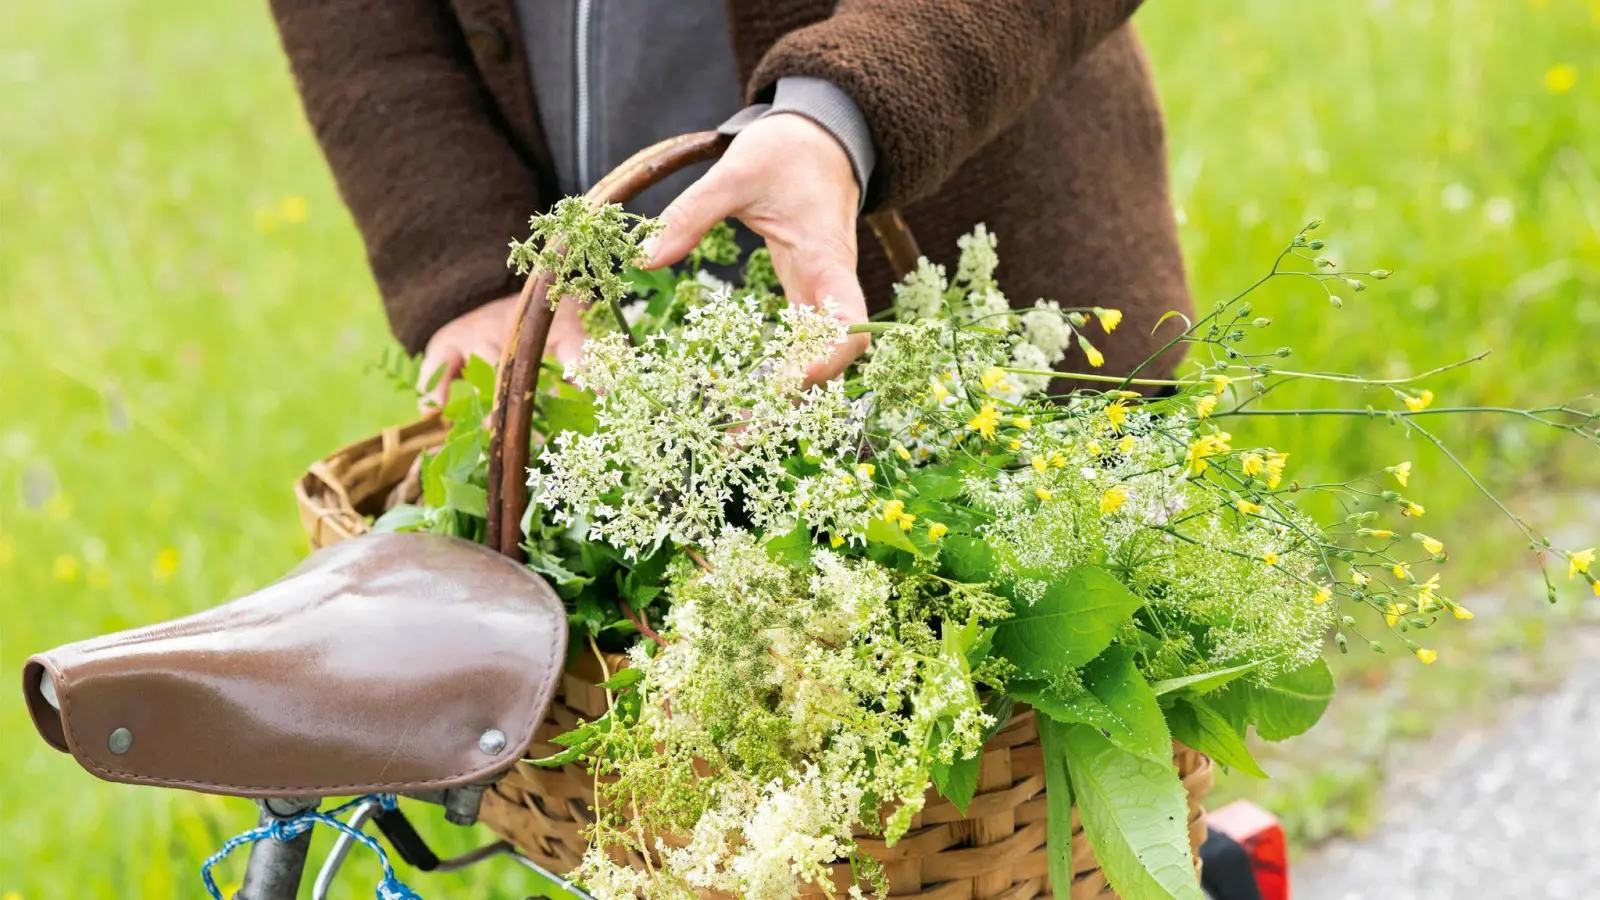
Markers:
(957, 782)
(793, 548)
(1202, 728)
(1136, 816)
(1058, 803)
(1283, 708)
(1204, 683)
(465, 498)
(1116, 702)
(1069, 625)
(966, 559)
(625, 678)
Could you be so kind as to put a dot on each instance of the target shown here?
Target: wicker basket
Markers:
(997, 850)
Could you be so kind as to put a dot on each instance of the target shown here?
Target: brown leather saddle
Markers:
(388, 663)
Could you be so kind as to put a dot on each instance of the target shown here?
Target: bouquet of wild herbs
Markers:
(830, 596)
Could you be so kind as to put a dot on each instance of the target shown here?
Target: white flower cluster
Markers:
(711, 416)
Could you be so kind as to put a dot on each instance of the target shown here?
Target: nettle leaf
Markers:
(958, 782)
(1286, 706)
(1135, 814)
(1199, 726)
(1058, 803)
(624, 678)
(1204, 683)
(466, 498)
(966, 559)
(1071, 624)
(1117, 702)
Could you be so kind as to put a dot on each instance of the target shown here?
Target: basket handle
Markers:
(511, 422)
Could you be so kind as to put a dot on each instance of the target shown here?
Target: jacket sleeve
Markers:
(938, 79)
(432, 177)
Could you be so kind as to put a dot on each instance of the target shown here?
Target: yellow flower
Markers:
(1095, 357)
(1560, 78)
(1125, 445)
(1042, 494)
(1252, 463)
(266, 220)
(1205, 406)
(1420, 402)
(894, 512)
(1412, 509)
(165, 564)
(1461, 612)
(1360, 578)
(864, 471)
(940, 392)
(1112, 499)
(1015, 444)
(1323, 595)
(1401, 572)
(905, 521)
(1427, 656)
(1094, 448)
(1579, 562)
(1426, 589)
(1058, 459)
(992, 377)
(1023, 422)
(1221, 382)
(1401, 473)
(1394, 612)
(1275, 465)
(1248, 508)
(66, 567)
(1040, 464)
(836, 541)
(293, 209)
(985, 421)
(1109, 319)
(1269, 558)
(1117, 413)
(1379, 532)
(902, 452)
(1432, 545)
(1207, 446)
(937, 530)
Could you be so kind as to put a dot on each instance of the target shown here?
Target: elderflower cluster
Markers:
(687, 425)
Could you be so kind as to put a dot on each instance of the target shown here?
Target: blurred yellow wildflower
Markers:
(1461, 612)
(1095, 357)
(1560, 78)
(1269, 558)
(1042, 494)
(985, 422)
(1275, 466)
(1040, 464)
(1413, 509)
(8, 550)
(1401, 473)
(1579, 562)
(293, 209)
(1015, 444)
(1323, 595)
(901, 451)
(1394, 612)
(1207, 446)
(1127, 444)
(1248, 508)
(1117, 413)
(836, 541)
(1427, 656)
(1401, 572)
(1112, 499)
(66, 567)
(1058, 459)
(994, 376)
(1023, 422)
(165, 564)
(937, 530)
(1433, 545)
(1109, 319)
(1252, 464)
(894, 512)
(1221, 382)
(1419, 402)
(1205, 406)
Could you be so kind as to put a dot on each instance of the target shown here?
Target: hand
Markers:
(481, 333)
(788, 180)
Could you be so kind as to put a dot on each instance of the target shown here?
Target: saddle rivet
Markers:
(121, 741)
(492, 742)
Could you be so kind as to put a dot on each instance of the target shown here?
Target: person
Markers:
(446, 125)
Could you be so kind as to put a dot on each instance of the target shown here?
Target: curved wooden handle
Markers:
(511, 421)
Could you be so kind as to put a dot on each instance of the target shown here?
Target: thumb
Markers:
(440, 366)
(702, 205)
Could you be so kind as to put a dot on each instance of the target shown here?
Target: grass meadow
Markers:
(186, 320)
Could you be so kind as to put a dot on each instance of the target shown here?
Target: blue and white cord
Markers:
(390, 888)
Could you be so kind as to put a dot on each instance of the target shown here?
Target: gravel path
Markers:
(1513, 811)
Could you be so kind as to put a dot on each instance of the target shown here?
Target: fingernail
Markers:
(650, 246)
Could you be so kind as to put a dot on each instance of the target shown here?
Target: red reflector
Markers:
(1261, 836)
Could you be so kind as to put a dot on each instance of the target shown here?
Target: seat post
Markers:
(277, 867)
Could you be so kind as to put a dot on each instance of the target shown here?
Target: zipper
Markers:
(584, 114)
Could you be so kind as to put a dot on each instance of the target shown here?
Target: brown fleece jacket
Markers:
(1035, 117)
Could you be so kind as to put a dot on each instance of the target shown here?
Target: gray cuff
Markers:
(826, 104)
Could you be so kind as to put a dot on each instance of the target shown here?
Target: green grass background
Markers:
(174, 348)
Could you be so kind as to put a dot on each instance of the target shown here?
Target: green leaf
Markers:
(1058, 803)
(1199, 726)
(937, 482)
(1204, 683)
(1135, 814)
(628, 678)
(401, 518)
(957, 782)
(966, 559)
(793, 548)
(464, 497)
(575, 413)
(1117, 703)
(881, 532)
(1071, 624)
(1286, 706)
(479, 374)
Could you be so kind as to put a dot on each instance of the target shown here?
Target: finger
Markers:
(829, 280)
(440, 366)
(704, 204)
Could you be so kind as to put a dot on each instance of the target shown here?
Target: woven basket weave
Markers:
(997, 850)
